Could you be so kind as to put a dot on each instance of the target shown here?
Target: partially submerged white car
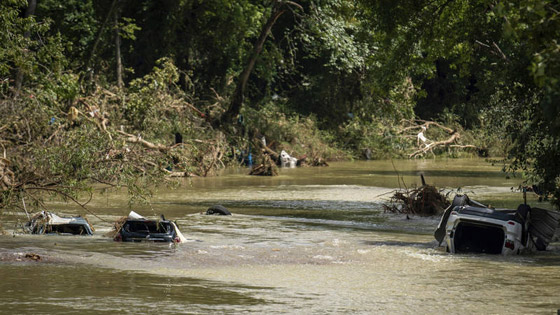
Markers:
(46, 222)
(468, 226)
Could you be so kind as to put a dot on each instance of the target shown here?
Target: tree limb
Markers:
(428, 148)
(146, 144)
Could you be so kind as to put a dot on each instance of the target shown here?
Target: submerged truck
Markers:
(467, 226)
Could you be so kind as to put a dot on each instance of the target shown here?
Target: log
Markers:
(179, 174)
(137, 139)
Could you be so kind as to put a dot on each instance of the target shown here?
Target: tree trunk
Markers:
(118, 50)
(32, 5)
(97, 40)
(237, 101)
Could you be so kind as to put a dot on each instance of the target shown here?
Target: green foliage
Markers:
(332, 74)
(128, 27)
(334, 31)
(12, 40)
(378, 135)
(495, 65)
(75, 21)
(150, 94)
(60, 92)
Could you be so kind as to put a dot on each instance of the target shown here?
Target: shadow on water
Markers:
(401, 244)
(61, 288)
(442, 173)
(266, 206)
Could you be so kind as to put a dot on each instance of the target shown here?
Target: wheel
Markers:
(460, 200)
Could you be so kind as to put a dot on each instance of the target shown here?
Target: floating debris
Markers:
(33, 256)
(266, 168)
(425, 200)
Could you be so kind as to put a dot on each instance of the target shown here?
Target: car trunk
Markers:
(478, 238)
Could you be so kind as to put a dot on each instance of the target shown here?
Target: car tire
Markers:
(217, 210)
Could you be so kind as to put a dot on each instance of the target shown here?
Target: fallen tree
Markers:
(50, 147)
(416, 128)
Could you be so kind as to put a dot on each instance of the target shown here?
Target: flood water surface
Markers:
(310, 241)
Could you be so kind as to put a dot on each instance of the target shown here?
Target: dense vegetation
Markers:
(119, 92)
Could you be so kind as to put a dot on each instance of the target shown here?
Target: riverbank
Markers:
(151, 132)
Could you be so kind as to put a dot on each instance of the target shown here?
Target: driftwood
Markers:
(117, 226)
(273, 154)
(425, 200)
(138, 139)
(179, 174)
(266, 168)
(317, 161)
(211, 158)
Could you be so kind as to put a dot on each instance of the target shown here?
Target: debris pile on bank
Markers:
(266, 168)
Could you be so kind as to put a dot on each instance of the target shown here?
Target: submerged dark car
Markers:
(146, 230)
(136, 228)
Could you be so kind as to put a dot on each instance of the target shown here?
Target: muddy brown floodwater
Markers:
(310, 241)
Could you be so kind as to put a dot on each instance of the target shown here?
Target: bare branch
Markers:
(62, 193)
(499, 51)
(431, 146)
(147, 144)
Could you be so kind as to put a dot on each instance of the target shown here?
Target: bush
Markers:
(293, 133)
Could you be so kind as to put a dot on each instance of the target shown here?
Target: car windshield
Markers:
(147, 227)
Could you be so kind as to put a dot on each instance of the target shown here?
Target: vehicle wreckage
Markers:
(136, 228)
(45, 222)
(467, 226)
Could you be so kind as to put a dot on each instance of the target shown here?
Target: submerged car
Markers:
(136, 228)
(468, 226)
(46, 222)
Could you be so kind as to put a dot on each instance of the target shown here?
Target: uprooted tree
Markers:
(417, 128)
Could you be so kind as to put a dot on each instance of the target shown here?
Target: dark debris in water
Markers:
(22, 257)
(425, 200)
